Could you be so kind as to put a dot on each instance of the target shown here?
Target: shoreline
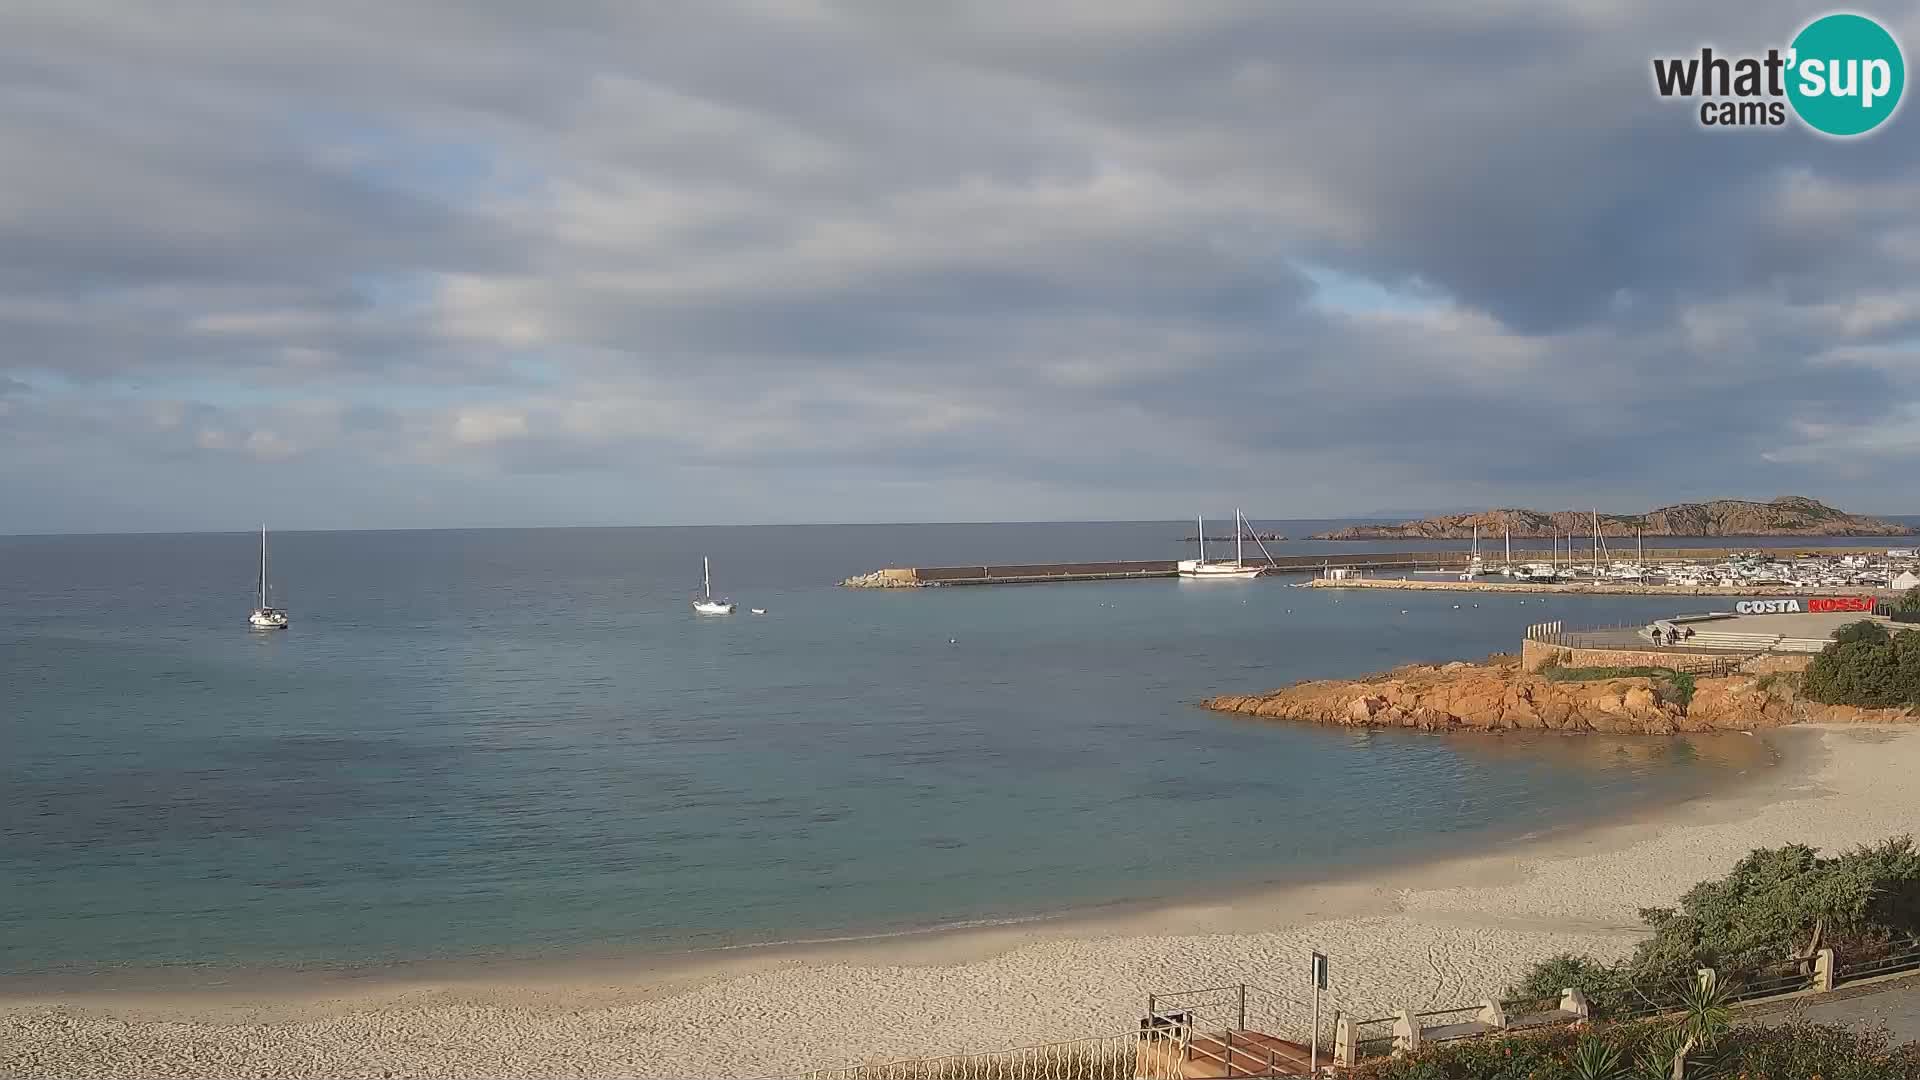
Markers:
(321, 981)
(1415, 934)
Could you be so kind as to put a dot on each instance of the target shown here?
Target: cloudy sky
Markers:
(358, 265)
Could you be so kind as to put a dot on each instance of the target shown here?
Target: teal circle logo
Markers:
(1846, 74)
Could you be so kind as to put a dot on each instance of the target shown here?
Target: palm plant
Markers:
(1597, 1059)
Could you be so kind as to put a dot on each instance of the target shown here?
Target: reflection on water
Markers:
(518, 742)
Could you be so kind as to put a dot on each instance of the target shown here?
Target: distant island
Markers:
(1789, 515)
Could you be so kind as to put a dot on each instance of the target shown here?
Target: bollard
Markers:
(1345, 1046)
(1492, 1015)
(1406, 1033)
(1823, 973)
(1575, 1002)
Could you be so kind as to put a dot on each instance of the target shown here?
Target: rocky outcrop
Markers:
(1501, 697)
(1789, 515)
(884, 579)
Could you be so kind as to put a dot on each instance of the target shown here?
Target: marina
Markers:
(1653, 572)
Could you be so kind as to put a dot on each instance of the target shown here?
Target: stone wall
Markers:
(1535, 654)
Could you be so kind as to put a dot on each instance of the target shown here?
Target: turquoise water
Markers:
(521, 743)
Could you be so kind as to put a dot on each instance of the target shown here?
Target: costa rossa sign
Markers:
(1794, 605)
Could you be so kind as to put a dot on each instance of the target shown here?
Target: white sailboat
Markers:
(1475, 567)
(707, 605)
(266, 617)
(1214, 571)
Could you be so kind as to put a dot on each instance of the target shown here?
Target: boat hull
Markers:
(711, 607)
(1212, 571)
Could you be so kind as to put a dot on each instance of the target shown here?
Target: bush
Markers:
(1828, 1051)
(1764, 912)
(1909, 602)
(1607, 988)
(1793, 1051)
(1867, 667)
(1678, 684)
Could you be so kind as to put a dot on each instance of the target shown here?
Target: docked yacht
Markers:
(1203, 569)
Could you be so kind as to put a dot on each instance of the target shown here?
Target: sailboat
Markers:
(1201, 568)
(1475, 567)
(707, 605)
(266, 617)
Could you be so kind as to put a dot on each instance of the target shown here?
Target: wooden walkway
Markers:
(1223, 1055)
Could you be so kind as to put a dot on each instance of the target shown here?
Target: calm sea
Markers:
(518, 743)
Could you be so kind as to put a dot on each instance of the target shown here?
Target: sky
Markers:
(492, 263)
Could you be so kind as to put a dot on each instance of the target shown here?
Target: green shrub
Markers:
(1678, 685)
(1792, 1051)
(1607, 988)
(1909, 601)
(1763, 913)
(1866, 632)
(1867, 667)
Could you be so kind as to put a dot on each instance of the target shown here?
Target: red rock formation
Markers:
(1499, 696)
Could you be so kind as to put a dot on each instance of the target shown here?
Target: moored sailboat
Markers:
(1238, 568)
(706, 604)
(266, 616)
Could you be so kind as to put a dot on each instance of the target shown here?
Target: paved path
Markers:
(1894, 1005)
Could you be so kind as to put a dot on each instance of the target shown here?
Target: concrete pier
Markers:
(1037, 573)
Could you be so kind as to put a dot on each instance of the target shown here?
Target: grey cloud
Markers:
(1062, 246)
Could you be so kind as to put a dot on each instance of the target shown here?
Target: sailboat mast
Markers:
(1238, 533)
(1507, 530)
(1200, 524)
(706, 578)
(263, 566)
(1639, 547)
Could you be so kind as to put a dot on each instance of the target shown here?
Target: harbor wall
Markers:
(1535, 655)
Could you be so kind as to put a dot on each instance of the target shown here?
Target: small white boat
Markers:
(266, 617)
(706, 604)
(1202, 569)
(758, 610)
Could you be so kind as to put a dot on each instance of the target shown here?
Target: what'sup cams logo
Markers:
(1842, 76)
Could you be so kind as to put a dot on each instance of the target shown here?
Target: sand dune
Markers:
(1439, 934)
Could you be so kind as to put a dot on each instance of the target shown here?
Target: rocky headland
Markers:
(1498, 696)
(1789, 515)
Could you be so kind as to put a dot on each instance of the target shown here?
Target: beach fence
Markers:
(1212, 1033)
(1224, 1032)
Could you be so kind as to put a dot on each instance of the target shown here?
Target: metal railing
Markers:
(1226, 1029)
(1774, 980)
(1905, 957)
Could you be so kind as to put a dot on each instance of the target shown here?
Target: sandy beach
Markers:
(1434, 935)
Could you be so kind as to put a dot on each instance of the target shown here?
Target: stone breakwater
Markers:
(1499, 696)
(883, 579)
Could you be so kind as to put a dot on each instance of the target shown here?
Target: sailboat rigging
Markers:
(1238, 568)
(266, 616)
(706, 604)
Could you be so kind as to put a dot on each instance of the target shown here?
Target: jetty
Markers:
(1042, 573)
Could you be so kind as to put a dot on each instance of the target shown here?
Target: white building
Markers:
(1907, 580)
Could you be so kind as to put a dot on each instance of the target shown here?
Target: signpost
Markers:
(1319, 984)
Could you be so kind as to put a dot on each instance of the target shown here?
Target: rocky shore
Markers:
(883, 579)
(1498, 696)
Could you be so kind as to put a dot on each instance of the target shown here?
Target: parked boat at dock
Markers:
(1202, 568)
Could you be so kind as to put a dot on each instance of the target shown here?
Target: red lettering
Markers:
(1840, 603)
